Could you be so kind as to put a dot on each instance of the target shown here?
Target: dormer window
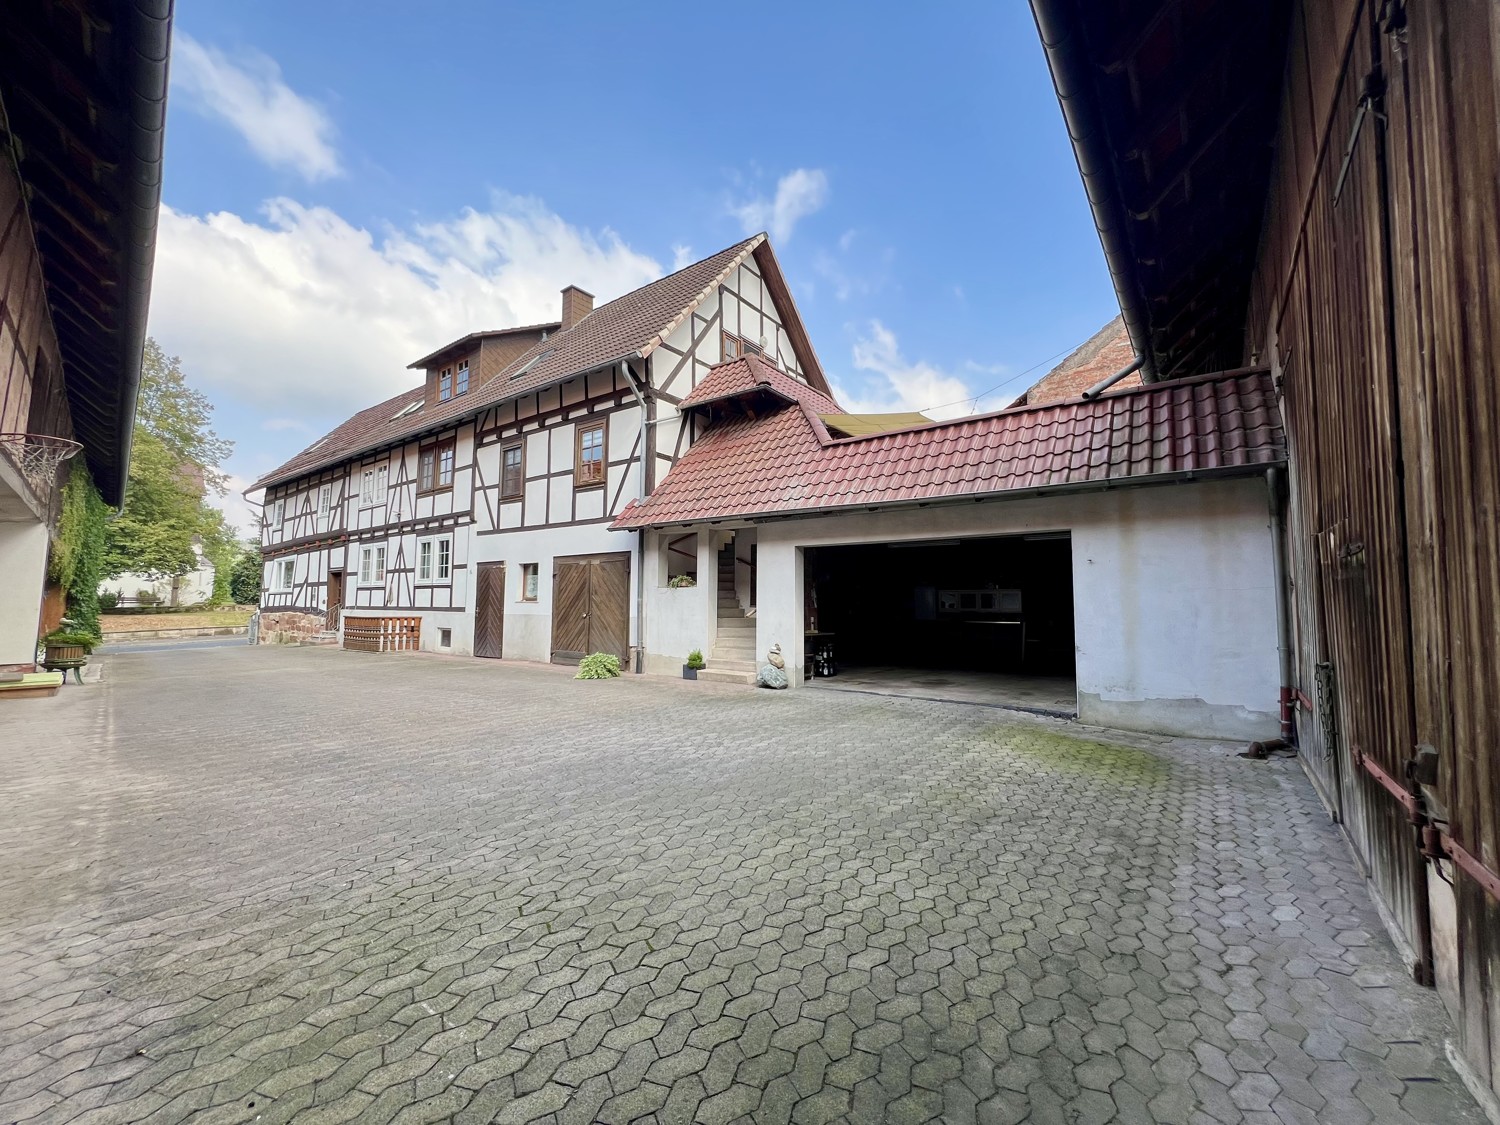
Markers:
(445, 384)
(461, 379)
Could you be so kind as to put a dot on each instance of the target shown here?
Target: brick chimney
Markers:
(576, 305)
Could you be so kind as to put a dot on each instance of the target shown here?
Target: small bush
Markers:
(71, 637)
(109, 599)
(682, 581)
(695, 659)
(598, 666)
(147, 597)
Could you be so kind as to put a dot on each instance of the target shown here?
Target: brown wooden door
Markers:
(489, 611)
(335, 599)
(590, 606)
(609, 606)
(570, 607)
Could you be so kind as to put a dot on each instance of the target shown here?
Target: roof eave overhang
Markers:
(100, 298)
(1067, 59)
(1187, 476)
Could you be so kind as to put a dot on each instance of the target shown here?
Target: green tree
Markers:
(179, 416)
(164, 512)
(244, 582)
(174, 460)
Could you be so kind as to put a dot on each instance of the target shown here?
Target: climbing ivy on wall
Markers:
(77, 562)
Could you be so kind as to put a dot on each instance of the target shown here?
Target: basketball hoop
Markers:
(38, 456)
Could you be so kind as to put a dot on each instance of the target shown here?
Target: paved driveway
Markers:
(245, 884)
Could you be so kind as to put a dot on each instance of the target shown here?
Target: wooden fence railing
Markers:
(382, 634)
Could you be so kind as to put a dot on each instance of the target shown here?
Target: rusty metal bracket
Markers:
(1470, 865)
(1408, 800)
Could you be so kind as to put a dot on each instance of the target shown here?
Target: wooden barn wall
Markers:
(1375, 302)
(1445, 161)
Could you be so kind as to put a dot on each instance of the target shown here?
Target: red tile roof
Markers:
(783, 461)
(628, 325)
(1093, 361)
(750, 373)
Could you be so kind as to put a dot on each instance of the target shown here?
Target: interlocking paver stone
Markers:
(301, 884)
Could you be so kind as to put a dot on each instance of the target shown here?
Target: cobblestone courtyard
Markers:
(258, 885)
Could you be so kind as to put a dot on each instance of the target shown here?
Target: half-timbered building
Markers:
(470, 514)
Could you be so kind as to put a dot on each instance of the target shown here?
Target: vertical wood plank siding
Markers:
(1379, 300)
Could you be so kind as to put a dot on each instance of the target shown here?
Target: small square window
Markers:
(731, 346)
(528, 582)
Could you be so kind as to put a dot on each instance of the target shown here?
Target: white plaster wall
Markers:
(1173, 590)
(677, 621)
(528, 625)
(23, 562)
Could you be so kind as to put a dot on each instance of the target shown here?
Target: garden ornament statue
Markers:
(773, 671)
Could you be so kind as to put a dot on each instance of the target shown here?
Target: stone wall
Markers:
(290, 628)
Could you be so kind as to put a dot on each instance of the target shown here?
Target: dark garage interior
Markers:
(986, 619)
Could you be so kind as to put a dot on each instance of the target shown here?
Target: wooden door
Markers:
(489, 611)
(590, 606)
(609, 606)
(570, 607)
(335, 600)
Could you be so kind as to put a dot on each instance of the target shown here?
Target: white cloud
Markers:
(283, 128)
(239, 513)
(899, 384)
(798, 194)
(682, 256)
(301, 314)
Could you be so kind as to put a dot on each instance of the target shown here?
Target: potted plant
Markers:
(67, 648)
(682, 582)
(695, 662)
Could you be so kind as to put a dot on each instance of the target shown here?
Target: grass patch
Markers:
(208, 618)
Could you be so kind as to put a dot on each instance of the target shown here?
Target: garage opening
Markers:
(978, 620)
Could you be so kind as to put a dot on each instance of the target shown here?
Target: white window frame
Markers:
(283, 576)
(372, 566)
(531, 581)
(325, 506)
(278, 514)
(372, 486)
(435, 559)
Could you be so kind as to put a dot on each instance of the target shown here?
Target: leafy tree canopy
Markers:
(179, 416)
(174, 459)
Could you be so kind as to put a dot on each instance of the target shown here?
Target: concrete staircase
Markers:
(732, 660)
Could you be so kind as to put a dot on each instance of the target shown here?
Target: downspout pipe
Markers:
(640, 567)
(1104, 384)
(1274, 487)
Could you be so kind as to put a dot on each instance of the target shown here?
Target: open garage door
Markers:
(986, 620)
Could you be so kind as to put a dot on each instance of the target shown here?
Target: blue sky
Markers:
(349, 185)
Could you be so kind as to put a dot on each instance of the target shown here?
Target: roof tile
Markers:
(783, 460)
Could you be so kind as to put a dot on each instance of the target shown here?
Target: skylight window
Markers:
(532, 362)
(409, 408)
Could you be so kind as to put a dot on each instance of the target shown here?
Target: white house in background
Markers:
(471, 514)
(193, 588)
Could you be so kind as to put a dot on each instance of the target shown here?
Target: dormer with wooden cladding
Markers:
(461, 367)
